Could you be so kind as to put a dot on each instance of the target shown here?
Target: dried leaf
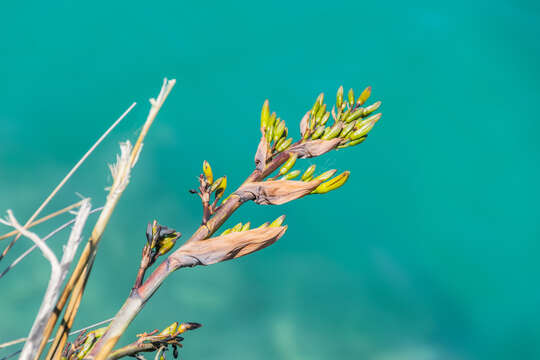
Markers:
(314, 148)
(261, 154)
(226, 247)
(276, 192)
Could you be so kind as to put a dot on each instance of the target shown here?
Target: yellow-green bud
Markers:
(207, 171)
(318, 132)
(332, 184)
(216, 184)
(221, 188)
(351, 97)
(308, 173)
(346, 130)
(339, 97)
(326, 175)
(288, 164)
(333, 132)
(228, 231)
(324, 119)
(265, 114)
(364, 96)
(293, 174)
(277, 222)
(371, 108)
(284, 145)
(169, 330)
(279, 129)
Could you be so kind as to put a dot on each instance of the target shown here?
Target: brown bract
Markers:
(304, 123)
(262, 153)
(225, 247)
(314, 148)
(276, 192)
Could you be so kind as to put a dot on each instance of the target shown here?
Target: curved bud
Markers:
(288, 164)
(221, 188)
(357, 141)
(284, 145)
(277, 222)
(308, 173)
(371, 108)
(279, 130)
(324, 119)
(339, 97)
(355, 115)
(350, 95)
(346, 130)
(332, 184)
(333, 132)
(265, 114)
(293, 174)
(207, 170)
(363, 129)
(364, 96)
(318, 132)
(326, 175)
(216, 184)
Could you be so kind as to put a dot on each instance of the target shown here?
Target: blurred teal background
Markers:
(429, 252)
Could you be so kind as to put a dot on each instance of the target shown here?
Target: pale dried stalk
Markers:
(59, 271)
(121, 172)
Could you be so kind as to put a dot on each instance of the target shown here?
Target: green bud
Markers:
(324, 119)
(339, 97)
(288, 164)
(293, 174)
(278, 221)
(265, 114)
(332, 184)
(207, 171)
(320, 114)
(216, 184)
(371, 108)
(364, 96)
(351, 97)
(87, 346)
(318, 132)
(269, 133)
(326, 175)
(346, 130)
(246, 226)
(357, 141)
(284, 145)
(271, 121)
(307, 174)
(362, 131)
(317, 105)
(355, 115)
(279, 130)
(279, 142)
(333, 132)
(221, 188)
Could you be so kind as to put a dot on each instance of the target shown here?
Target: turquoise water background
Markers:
(430, 251)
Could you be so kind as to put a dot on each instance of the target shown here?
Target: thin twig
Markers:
(43, 219)
(33, 247)
(66, 178)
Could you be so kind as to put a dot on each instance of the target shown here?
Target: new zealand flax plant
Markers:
(274, 180)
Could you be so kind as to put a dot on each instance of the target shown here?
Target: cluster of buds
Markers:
(159, 240)
(351, 123)
(244, 227)
(327, 182)
(170, 336)
(207, 187)
(274, 130)
(82, 345)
